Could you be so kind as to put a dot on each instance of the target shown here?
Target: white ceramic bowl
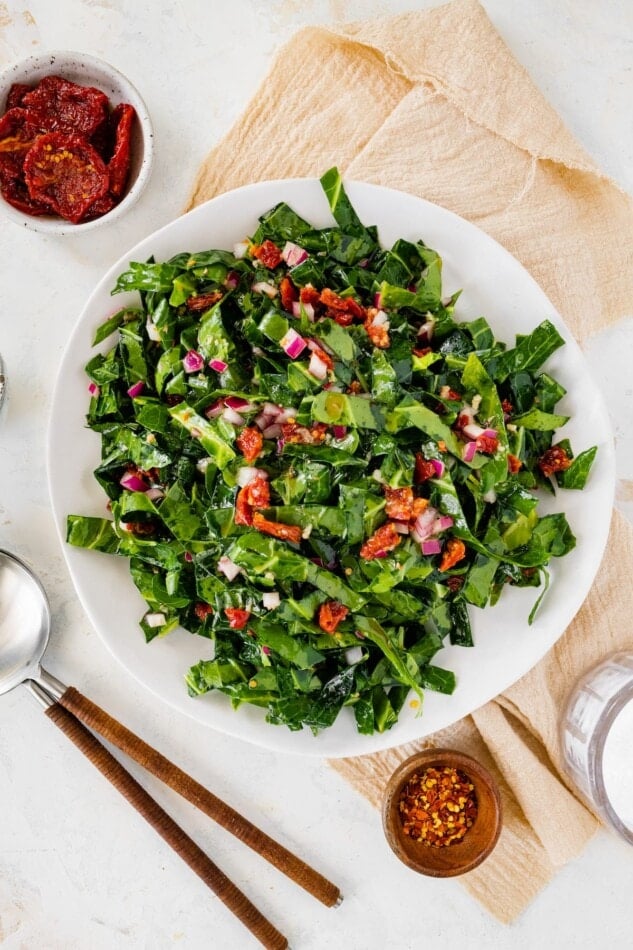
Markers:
(88, 71)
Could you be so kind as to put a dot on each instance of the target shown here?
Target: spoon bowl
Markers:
(25, 623)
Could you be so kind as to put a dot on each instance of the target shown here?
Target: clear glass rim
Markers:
(596, 746)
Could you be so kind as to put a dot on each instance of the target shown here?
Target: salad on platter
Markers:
(312, 463)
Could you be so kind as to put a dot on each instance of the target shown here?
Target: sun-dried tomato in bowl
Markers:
(64, 150)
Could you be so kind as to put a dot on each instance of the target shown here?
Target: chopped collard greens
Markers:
(312, 463)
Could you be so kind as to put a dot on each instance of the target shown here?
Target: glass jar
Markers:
(597, 741)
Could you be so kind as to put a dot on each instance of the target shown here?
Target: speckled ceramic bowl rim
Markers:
(101, 74)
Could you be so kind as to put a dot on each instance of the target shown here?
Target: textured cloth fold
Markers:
(433, 103)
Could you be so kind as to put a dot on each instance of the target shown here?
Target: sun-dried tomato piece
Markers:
(268, 253)
(554, 460)
(17, 135)
(254, 495)
(385, 539)
(66, 173)
(100, 207)
(199, 302)
(16, 94)
(487, 444)
(514, 464)
(288, 293)
(202, 610)
(330, 615)
(342, 317)
(309, 294)
(355, 387)
(250, 442)
(121, 121)
(286, 532)
(302, 435)
(258, 492)
(419, 505)
(58, 105)
(142, 529)
(399, 504)
(454, 552)
(236, 617)
(378, 334)
(507, 407)
(341, 309)
(16, 193)
(423, 470)
(454, 583)
(243, 510)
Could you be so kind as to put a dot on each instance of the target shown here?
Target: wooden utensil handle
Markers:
(96, 718)
(167, 828)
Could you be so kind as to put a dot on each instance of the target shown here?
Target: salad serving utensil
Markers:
(25, 622)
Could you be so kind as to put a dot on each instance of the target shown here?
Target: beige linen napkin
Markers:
(434, 104)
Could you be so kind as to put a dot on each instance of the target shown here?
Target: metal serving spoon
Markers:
(25, 622)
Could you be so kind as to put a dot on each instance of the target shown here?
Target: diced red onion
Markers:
(339, 432)
(218, 365)
(230, 415)
(307, 308)
(317, 367)
(236, 402)
(439, 467)
(380, 554)
(152, 330)
(272, 431)
(431, 547)
(423, 526)
(133, 482)
(472, 430)
(232, 280)
(293, 254)
(263, 287)
(155, 493)
(353, 655)
(490, 433)
(196, 432)
(240, 249)
(401, 527)
(192, 362)
(377, 298)
(188, 557)
(468, 452)
(228, 567)
(136, 389)
(266, 650)
(490, 496)
(364, 263)
(443, 523)
(271, 599)
(215, 409)
(292, 344)
(248, 474)
(94, 390)
(412, 288)
(155, 620)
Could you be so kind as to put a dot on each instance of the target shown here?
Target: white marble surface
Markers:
(78, 869)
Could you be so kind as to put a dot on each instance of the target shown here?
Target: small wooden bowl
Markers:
(479, 840)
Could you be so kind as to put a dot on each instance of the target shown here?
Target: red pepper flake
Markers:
(385, 539)
(438, 807)
(297, 434)
(237, 617)
(268, 253)
(250, 442)
(554, 460)
(514, 464)
(330, 615)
